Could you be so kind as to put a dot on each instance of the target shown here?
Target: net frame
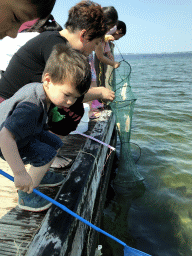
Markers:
(127, 176)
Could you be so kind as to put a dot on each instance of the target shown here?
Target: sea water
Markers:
(157, 218)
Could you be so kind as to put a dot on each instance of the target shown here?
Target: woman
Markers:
(14, 13)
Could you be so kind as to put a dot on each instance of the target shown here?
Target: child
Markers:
(111, 17)
(24, 137)
(105, 54)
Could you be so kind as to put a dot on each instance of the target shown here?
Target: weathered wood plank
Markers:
(18, 227)
(92, 235)
(60, 233)
(12, 216)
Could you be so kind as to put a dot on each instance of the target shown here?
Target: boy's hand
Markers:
(107, 94)
(116, 64)
(24, 182)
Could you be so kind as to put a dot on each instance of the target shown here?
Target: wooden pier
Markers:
(55, 232)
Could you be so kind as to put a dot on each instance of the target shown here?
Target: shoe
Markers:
(32, 202)
(51, 179)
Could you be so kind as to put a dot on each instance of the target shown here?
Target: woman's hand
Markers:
(116, 64)
(107, 94)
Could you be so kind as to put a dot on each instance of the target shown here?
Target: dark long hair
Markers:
(111, 15)
(121, 26)
(43, 7)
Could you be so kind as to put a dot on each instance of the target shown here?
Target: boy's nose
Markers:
(70, 102)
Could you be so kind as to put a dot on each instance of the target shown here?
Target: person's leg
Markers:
(33, 202)
(59, 161)
(46, 146)
(40, 156)
(37, 173)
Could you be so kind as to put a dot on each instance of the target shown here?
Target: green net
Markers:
(123, 105)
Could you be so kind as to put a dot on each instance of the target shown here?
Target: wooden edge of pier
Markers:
(55, 232)
(83, 192)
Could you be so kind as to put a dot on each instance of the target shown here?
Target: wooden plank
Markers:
(61, 234)
(11, 217)
(16, 224)
(15, 239)
(92, 235)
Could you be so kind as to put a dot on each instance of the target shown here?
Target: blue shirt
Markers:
(25, 113)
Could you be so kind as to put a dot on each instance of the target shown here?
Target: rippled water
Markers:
(159, 222)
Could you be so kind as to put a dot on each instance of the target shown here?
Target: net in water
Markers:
(123, 106)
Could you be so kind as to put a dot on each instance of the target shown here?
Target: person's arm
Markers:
(109, 38)
(10, 152)
(110, 55)
(100, 55)
(99, 93)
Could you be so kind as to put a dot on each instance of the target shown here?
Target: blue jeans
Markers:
(41, 149)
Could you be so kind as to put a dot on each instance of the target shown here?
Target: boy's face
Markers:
(13, 14)
(61, 95)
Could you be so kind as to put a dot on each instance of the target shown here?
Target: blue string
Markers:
(127, 249)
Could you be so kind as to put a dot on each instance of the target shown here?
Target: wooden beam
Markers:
(60, 233)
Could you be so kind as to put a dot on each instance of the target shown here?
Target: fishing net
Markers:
(123, 105)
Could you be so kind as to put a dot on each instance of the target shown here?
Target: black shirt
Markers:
(28, 63)
(27, 66)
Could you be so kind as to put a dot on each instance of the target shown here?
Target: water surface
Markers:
(159, 222)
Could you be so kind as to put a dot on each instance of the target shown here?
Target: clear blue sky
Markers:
(153, 26)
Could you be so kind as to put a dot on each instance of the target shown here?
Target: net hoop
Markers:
(125, 78)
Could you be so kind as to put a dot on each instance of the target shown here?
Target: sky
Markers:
(153, 26)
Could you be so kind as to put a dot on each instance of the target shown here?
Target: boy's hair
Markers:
(121, 26)
(89, 16)
(46, 24)
(111, 15)
(66, 63)
(44, 7)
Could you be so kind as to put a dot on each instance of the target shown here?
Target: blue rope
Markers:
(127, 249)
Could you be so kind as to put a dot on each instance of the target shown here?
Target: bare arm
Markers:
(11, 154)
(100, 55)
(99, 93)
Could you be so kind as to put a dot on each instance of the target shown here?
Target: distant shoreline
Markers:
(162, 53)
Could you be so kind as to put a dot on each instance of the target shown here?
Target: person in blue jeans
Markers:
(24, 135)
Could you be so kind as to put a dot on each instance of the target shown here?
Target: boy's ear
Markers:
(82, 35)
(46, 79)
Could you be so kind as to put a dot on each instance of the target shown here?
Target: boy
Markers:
(24, 137)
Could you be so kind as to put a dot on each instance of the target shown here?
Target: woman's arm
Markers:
(11, 154)
(99, 93)
(100, 55)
